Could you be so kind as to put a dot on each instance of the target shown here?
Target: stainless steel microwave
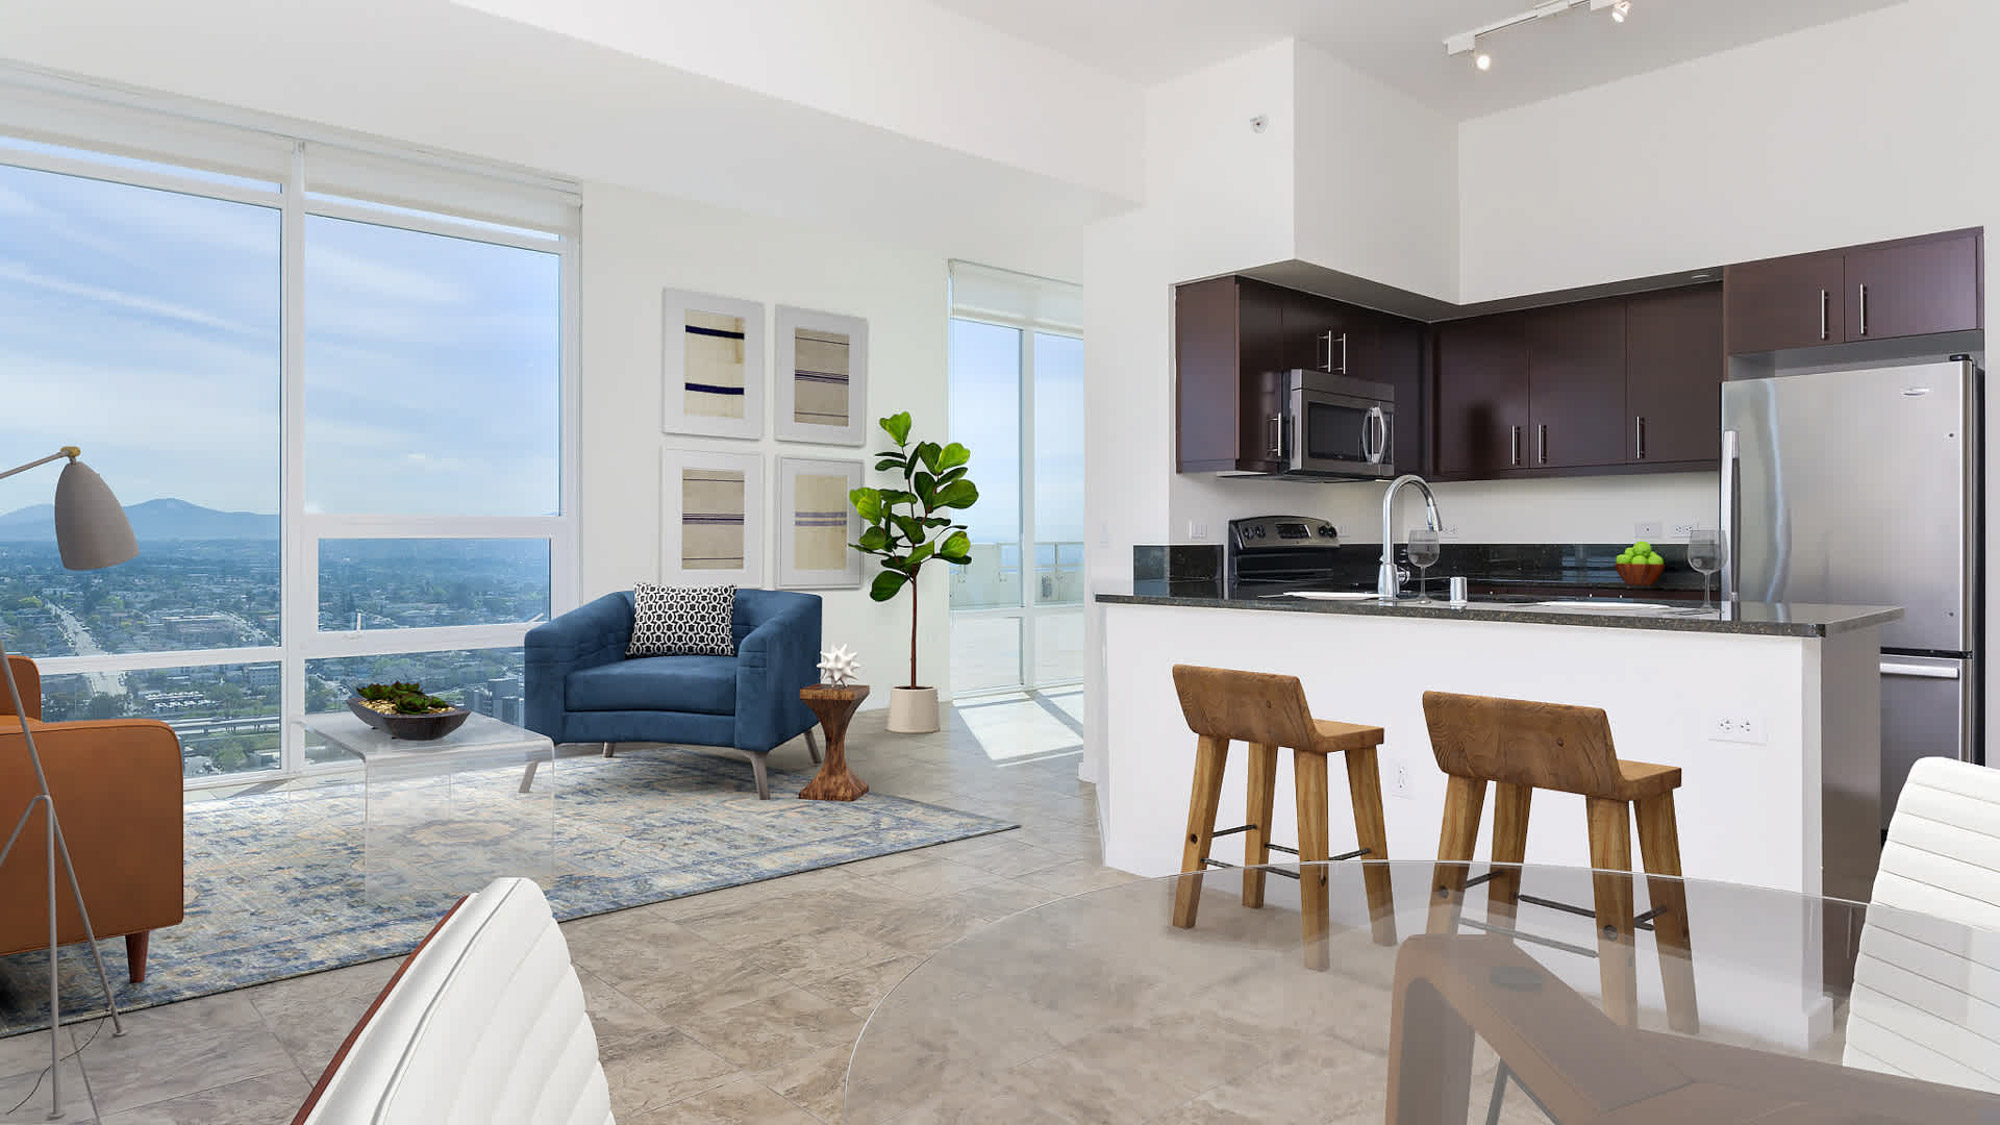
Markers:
(1338, 427)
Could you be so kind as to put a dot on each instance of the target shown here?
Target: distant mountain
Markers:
(151, 521)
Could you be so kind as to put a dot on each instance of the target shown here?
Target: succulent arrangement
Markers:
(401, 699)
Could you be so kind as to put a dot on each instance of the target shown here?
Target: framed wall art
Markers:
(822, 377)
(712, 360)
(816, 524)
(711, 518)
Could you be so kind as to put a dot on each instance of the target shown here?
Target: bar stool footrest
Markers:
(1642, 922)
(1237, 867)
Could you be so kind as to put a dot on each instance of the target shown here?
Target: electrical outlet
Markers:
(1103, 533)
(1197, 531)
(1736, 726)
(1683, 530)
(1448, 531)
(1399, 782)
(1648, 530)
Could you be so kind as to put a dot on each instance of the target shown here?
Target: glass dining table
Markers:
(1508, 1000)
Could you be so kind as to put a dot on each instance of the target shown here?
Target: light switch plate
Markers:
(1197, 531)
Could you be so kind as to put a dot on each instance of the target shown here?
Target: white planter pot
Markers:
(913, 710)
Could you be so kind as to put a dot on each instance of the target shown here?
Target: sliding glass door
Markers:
(1017, 403)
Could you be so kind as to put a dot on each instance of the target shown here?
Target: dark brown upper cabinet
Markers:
(1909, 287)
(1785, 302)
(1576, 385)
(1389, 349)
(1629, 384)
(1914, 288)
(1318, 333)
(1229, 347)
(1481, 404)
(1234, 340)
(1674, 369)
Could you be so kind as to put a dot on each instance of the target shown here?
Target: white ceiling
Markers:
(1401, 42)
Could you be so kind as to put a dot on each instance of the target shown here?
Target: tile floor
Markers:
(741, 1005)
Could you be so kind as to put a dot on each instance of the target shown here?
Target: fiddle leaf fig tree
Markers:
(909, 526)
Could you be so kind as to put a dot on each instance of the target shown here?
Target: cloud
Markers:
(24, 274)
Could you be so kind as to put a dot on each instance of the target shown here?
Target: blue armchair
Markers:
(582, 688)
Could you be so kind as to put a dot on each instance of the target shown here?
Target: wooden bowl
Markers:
(410, 728)
(1637, 575)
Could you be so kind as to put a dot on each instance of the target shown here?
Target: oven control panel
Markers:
(1266, 532)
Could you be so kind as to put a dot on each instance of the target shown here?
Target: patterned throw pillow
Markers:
(682, 621)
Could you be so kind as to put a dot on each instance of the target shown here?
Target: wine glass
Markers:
(1705, 549)
(1424, 551)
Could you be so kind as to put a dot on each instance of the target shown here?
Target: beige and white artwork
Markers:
(819, 527)
(713, 375)
(820, 372)
(712, 519)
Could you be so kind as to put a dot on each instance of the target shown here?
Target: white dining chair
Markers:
(1926, 998)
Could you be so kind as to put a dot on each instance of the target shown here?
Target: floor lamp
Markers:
(91, 533)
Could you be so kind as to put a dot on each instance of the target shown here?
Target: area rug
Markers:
(275, 884)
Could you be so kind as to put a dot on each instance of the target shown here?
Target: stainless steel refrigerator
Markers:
(1863, 487)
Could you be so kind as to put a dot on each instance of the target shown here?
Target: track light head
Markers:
(1620, 10)
(1483, 61)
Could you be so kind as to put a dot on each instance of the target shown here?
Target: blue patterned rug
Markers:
(275, 880)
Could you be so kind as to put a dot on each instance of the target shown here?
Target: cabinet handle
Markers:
(1514, 445)
(1864, 308)
(1639, 437)
(1822, 314)
(1326, 364)
(1278, 436)
(1542, 444)
(1343, 352)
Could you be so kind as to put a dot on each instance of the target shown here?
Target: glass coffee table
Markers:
(1486, 1005)
(450, 815)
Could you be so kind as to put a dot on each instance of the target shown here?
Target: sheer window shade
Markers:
(61, 111)
(985, 293)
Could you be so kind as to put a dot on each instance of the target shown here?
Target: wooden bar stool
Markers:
(1522, 747)
(1269, 711)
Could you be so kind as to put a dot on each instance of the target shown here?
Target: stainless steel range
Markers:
(1278, 554)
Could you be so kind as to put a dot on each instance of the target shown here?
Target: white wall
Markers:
(635, 245)
(1568, 510)
(1377, 188)
(1219, 196)
(1874, 127)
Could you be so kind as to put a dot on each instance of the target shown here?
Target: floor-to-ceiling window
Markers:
(332, 387)
(1017, 403)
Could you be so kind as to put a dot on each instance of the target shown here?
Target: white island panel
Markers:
(1748, 813)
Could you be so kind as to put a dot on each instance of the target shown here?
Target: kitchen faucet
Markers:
(1390, 578)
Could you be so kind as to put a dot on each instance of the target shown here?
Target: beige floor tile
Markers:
(816, 1083)
(27, 1096)
(859, 989)
(310, 1031)
(653, 1069)
(181, 1049)
(774, 1030)
(254, 1101)
(828, 952)
(742, 1102)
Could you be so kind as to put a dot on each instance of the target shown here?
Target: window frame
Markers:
(300, 532)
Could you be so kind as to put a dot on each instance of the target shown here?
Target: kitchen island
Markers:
(1772, 712)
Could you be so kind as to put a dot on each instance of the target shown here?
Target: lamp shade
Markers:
(91, 529)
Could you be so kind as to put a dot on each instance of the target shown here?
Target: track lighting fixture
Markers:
(1468, 42)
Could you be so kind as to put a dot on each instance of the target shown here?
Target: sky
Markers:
(144, 326)
(986, 417)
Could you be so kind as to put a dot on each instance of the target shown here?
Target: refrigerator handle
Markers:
(1727, 505)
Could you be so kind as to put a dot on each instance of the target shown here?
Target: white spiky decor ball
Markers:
(840, 666)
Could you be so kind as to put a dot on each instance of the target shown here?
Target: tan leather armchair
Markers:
(117, 787)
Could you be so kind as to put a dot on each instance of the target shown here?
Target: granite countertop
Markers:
(1752, 618)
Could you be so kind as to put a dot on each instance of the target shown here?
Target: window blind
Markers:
(988, 293)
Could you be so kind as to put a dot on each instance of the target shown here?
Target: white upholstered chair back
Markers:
(1924, 994)
(485, 1025)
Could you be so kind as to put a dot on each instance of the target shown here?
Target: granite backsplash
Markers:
(1197, 570)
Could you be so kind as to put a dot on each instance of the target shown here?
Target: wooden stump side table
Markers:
(834, 706)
